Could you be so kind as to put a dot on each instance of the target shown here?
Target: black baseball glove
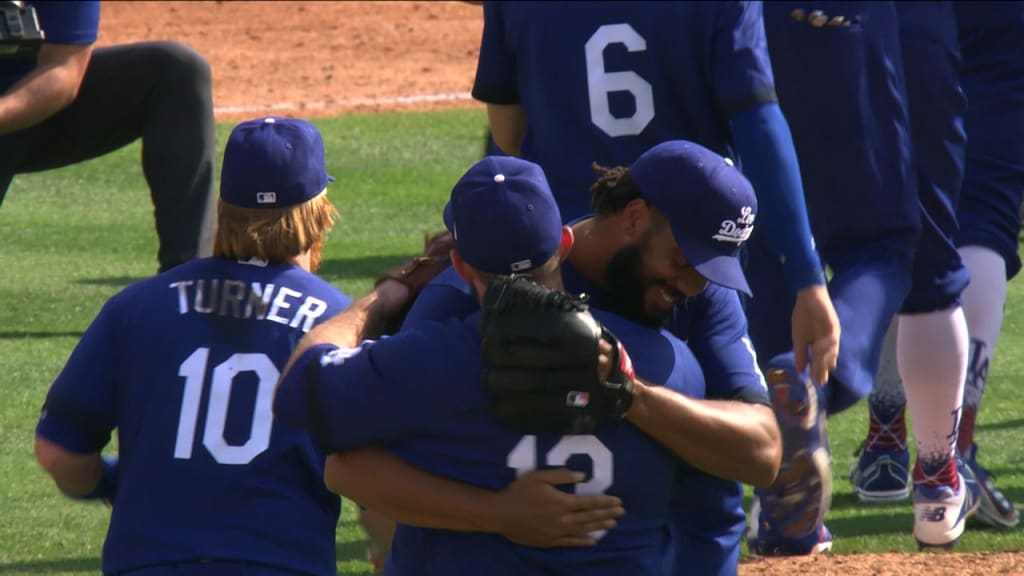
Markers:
(541, 352)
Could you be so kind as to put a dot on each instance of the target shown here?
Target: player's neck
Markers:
(302, 261)
(593, 248)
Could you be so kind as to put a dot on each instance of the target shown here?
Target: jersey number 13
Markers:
(523, 458)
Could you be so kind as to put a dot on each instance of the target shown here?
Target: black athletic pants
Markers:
(158, 91)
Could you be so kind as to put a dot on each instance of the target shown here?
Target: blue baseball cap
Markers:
(710, 205)
(273, 162)
(503, 216)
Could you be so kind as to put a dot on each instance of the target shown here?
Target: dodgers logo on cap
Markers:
(503, 216)
(273, 162)
(710, 205)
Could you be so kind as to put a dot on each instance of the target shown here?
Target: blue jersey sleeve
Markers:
(741, 68)
(715, 328)
(446, 297)
(383, 391)
(496, 67)
(764, 144)
(69, 22)
(80, 409)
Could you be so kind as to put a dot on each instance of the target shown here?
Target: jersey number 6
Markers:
(601, 83)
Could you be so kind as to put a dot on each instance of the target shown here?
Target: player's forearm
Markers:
(33, 100)
(384, 483)
(49, 88)
(729, 439)
(75, 474)
(363, 319)
(508, 127)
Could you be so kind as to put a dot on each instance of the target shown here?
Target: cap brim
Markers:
(718, 268)
(330, 178)
(725, 271)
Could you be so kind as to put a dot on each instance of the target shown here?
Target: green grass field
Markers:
(71, 238)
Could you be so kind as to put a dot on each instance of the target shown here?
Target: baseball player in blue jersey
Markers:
(504, 220)
(568, 84)
(991, 38)
(882, 177)
(613, 243)
(70, 101)
(183, 365)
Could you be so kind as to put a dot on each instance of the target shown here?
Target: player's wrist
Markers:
(106, 486)
(493, 517)
(391, 294)
(803, 272)
(390, 302)
(638, 405)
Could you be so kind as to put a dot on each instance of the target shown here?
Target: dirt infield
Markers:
(324, 58)
(316, 58)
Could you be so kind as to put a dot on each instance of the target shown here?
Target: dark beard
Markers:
(626, 288)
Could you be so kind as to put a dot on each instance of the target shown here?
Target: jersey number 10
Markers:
(193, 370)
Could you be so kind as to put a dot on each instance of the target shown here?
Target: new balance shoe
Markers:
(763, 541)
(994, 508)
(881, 474)
(940, 512)
(792, 510)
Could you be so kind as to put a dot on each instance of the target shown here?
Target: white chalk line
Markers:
(346, 103)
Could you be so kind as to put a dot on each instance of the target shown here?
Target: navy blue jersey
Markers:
(992, 76)
(707, 511)
(62, 23)
(184, 366)
(446, 296)
(419, 393)
(857, 69)
(608, 80)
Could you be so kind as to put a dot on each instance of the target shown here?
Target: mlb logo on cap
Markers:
(273, 162)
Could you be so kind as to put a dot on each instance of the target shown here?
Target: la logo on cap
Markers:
(737, 231)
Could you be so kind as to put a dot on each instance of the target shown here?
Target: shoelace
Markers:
(886, 434)
(939, 478)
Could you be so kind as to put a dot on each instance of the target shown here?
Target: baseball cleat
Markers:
(881, 474)
(994, 507)
(940, 512)
(791, 511)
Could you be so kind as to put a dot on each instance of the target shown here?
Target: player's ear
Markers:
(568, 239)
(635, 216)
(469, 274)
(461, 268)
